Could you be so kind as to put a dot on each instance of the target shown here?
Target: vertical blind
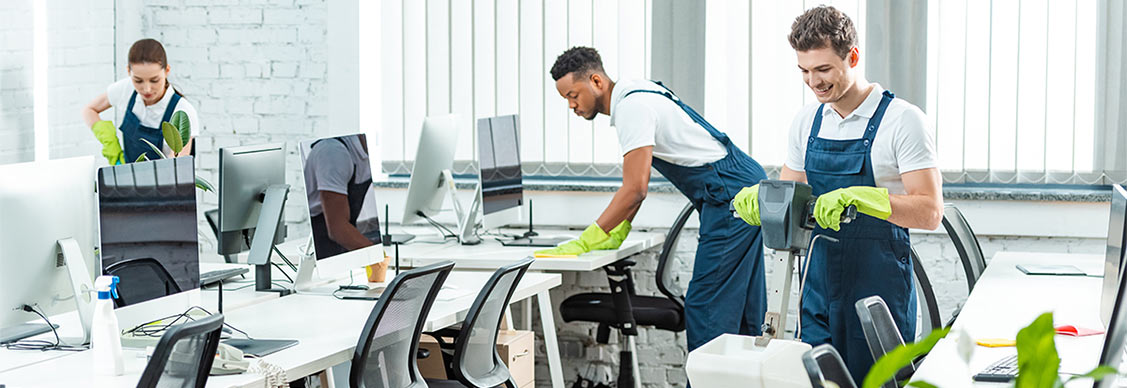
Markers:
(488, 58)
(1011, 89)
(753, 87)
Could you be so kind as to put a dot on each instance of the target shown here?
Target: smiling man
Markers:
(727, 293)
(858, 145)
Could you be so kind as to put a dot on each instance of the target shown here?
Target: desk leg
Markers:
(526, 314)
(551, 344)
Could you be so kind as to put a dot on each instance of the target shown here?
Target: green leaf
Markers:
(180, 121)
(1099, 373)
(154, 147)
(141, 158)
(886, 367)
(921, 384)
(1038, 364)
(203, 184)
(172, 137)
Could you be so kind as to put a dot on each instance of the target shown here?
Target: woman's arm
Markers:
(90, 111)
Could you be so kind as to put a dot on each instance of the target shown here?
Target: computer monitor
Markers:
(434, 158)
(338, 170)
(1113, 256)
(501, 189)
(1112, 352)
(252, 195)
(147, 228)
(46, 243)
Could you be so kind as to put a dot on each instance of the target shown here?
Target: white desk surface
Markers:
(68, 322)
(490, 254)
(327, 329)
(1005, 300)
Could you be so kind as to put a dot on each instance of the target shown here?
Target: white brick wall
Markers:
(80, 65)
(15, 83)
(80, 62)
(250, 76)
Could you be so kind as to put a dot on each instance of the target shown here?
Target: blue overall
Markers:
(872, 258)
(728, 293)
(132, 131)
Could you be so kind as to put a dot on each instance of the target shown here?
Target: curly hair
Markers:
(579, 60)
(823, 26)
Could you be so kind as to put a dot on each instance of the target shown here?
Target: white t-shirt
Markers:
(330, 165)
(150, 116)
(903, 142)
(647, 119)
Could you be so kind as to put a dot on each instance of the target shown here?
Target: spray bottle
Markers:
(105, 334)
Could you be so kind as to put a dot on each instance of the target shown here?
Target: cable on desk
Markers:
(446, 232)
(42, 345)
(157, 327)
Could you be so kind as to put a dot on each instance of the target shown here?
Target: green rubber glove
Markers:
(107, 135)
(869, 200)
(617, 236)
(594, 235)
(746, 203)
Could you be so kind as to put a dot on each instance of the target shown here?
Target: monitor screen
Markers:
(498, 145)
(1116, 337)
(147, 228)
(1113, 257)
(343, 213)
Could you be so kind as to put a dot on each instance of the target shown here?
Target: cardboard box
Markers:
(514, 346)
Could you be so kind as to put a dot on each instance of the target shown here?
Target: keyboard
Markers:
(211, 277)
(1001, 371)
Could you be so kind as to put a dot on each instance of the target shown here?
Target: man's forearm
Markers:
(918, 211)
(624, 205)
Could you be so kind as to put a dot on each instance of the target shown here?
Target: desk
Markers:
(490, 254)
(327, 337)
(1005, 300)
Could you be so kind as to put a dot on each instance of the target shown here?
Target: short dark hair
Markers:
(823, 26)
(579, 60)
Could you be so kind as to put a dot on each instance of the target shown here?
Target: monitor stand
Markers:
(269, 219)
(81, 283)
(467, 218)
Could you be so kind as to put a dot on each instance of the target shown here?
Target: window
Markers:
(489, 58)
(1011, 89)
(753, 87)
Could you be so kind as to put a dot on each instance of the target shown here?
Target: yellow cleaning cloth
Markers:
(545, 255)
(996, 342)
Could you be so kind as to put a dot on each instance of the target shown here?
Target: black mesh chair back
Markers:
(823, 364)
(385, 354)
(925, 294)
(476, 361)
(142, 279)
(184, 355)
(667, 282)
(881, 333)
(974, 262)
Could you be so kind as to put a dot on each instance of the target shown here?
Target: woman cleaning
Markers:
(148, 99)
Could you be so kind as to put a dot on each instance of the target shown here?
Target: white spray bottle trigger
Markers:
(107, 286)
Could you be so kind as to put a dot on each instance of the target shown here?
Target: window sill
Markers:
(958, 192)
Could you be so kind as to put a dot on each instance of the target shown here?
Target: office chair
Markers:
(385, 355)
(142, 279)
(925, 294)
(881, 333)
(624, 310)
(823, 363)
(474, 361)
(966, 243)
(184, 355)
